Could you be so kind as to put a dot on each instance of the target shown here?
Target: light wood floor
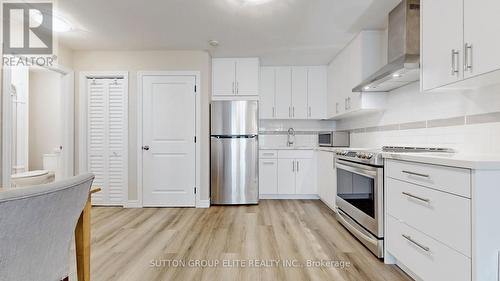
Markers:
(126, 241)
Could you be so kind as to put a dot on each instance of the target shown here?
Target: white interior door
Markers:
(168, 170)
(107, 139)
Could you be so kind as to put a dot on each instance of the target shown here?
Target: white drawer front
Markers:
(452, 180)
(270, 154)
(426, 257)
(443, 216)
(296, 154)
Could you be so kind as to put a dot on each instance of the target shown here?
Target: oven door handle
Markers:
(363, 234)
(357, 169)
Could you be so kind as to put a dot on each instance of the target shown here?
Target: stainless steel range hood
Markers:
(403, 51)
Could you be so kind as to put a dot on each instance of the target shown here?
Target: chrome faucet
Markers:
(291, 137)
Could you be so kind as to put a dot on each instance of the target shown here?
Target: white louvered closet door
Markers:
(107, 139)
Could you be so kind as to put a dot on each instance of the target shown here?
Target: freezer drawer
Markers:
(234, 118)
(234, 170)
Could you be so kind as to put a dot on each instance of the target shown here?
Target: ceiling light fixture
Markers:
(58, 24)
(396, 75)
(251, 2)
(366, 87)
(213, 43)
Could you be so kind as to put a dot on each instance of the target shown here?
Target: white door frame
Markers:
(83, 133)
(68, 111)
(140, 76)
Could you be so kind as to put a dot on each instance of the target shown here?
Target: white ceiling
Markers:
(279, 31)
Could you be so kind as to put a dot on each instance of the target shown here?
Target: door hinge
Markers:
(194, 139)
(195, 88)
(195, 190)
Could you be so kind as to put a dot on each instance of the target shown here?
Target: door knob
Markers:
(146, 147)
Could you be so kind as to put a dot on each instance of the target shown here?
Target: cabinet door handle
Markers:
(408, 237)
(454, 59)
(293, 111)
(309, 111)
(415, 174)
(468, 57)
(337, 107)
(297, 166)
(268, 163)
(237, 87)
(233, 88)
(274, 112)
(289, 111)
(293, 166)
(345, 104)
(416, 197)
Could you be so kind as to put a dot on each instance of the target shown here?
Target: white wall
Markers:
(408, 104)
(45, 123)
(134, 61)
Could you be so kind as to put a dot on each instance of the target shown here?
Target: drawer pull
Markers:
(415, 174)
(408, 237)
(416, 197)
(268, 163)
(269, 153)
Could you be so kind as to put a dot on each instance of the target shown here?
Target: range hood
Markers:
(403, 51)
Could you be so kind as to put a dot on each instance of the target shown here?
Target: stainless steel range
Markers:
(360, 196)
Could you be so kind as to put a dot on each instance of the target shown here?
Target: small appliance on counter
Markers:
(234, 152)
(333, 139)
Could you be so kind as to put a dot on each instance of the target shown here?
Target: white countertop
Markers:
(460, 160)
(287, 148)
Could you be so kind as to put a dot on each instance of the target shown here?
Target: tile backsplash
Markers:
(468, 121)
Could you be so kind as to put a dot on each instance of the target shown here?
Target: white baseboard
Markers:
(203, 203)
(289, 196)
(132, 204)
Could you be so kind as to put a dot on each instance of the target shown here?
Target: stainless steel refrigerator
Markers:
(234, 152)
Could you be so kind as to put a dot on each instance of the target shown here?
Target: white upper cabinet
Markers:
(461, 45)
(441, 43)
(223, 77)
(481, 36)
(283, 92)
(267, 110)
(235, 76)
(297, 92)
(247, 77)
(364, 55)
(316, 92)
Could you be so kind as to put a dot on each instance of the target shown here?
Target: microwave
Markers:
(333, 139)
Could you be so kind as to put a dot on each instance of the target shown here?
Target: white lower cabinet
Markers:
(427, 258)
(326, 177)
(286, 176)
(287, 172)
(268, 176)
(428, 227)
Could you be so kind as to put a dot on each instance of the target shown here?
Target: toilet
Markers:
(37, 177)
